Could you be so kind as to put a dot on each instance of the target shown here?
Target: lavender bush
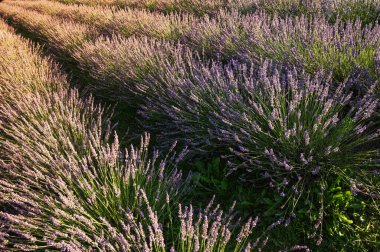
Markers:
(121, 64)
(73, 181)
(216, 95)
(285, 8)
(315, 45)
(64, 151)
(348, 10)
(282, 127)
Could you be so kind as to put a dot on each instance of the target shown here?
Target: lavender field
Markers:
(189, 125)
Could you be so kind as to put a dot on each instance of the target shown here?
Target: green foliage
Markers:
(284, 8)
(368, 11)
(212, 175)
(351, 220)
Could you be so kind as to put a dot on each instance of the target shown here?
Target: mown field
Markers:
(189, 125)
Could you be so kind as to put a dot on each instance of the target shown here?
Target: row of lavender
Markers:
(232, 35)
(367, 10)
(306, 113)
(65, 183)
(198, 32)
(346, 49)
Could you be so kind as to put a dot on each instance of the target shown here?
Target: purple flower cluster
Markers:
(212, 229)
(120, 65)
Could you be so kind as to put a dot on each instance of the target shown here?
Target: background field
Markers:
(188, 125)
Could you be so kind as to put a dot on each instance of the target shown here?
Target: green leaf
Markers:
(344, 219)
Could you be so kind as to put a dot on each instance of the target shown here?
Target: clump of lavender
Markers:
(127, 68)
(280, 125)
(216, 98)
(101, 201)
(110, 20)
(215, 230)
(367, 11)
(119, 64)
(285, 8)
(297, 131)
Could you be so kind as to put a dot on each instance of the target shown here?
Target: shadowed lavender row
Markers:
(65, 183)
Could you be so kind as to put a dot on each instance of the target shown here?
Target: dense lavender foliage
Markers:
(285, 91)
(76, 189)
(122, 64)
(282, 127)
(311, 44)
(195, 7)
